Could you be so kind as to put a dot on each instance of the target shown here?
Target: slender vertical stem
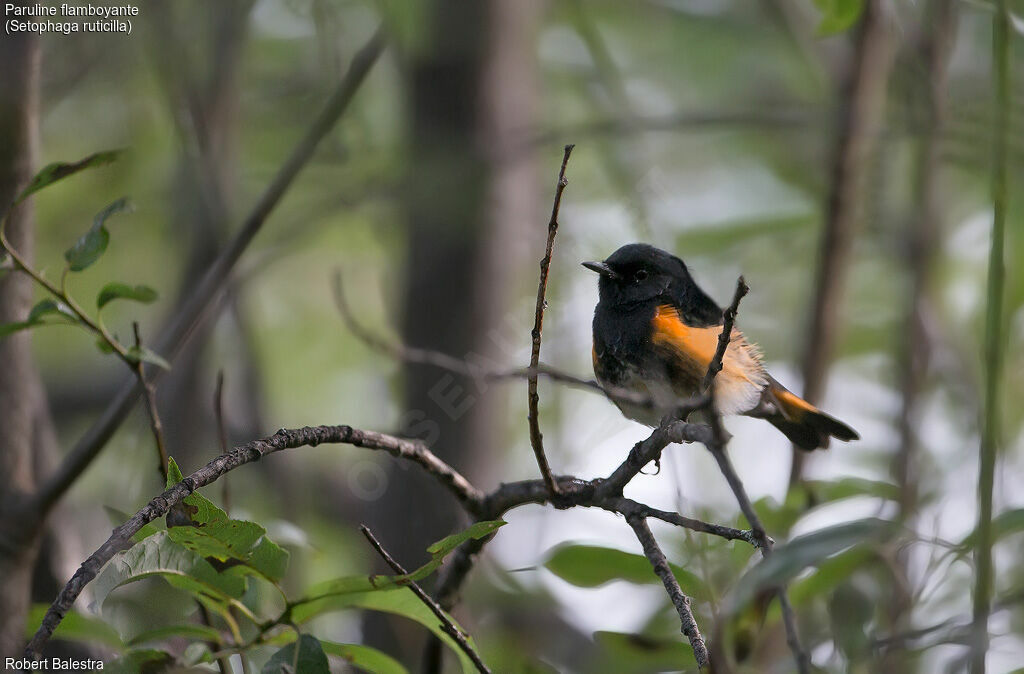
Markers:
(682, 603)
(446, 623)
(717, 447)
(154, 415)
(222, 434)
(933, 46)
(861, 117)
(993, 341)
(536, 438)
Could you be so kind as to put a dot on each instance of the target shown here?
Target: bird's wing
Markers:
(689, 351)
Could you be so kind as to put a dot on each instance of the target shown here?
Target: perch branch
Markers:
(675, 593)
(536, 438)
(446, 623)
(208, 289)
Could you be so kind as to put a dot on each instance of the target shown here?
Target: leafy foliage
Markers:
(305, 655)
(94, 242)
(593, 566)
(789, 560)
(76, 627)
(214, 558)
(838, 16)
(117, 290)
(37, 315)
(52, 173)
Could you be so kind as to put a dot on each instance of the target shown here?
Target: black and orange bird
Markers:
(655, 333)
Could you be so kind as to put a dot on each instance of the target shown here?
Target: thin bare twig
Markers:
(688, 625)
(444, 361)
(717, 447)
(222, 433)
(631, 508)
(536, 438)
(446, 623)
(194, 310)
(462, 366)
(728, 319)
(149, 391)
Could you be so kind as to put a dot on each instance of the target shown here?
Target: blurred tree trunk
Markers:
(861, 110)
(24, 413)
(471, 206)
(203, 96)
(932, 51)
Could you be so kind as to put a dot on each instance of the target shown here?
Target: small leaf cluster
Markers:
(61, 308)
(223, 563)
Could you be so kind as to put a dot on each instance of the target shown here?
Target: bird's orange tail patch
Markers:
(793, 406)
(803, 423)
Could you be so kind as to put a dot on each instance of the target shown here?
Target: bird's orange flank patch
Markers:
(698, 344)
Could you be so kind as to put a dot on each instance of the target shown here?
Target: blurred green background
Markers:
(710, 128)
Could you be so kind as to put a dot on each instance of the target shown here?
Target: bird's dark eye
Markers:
(640, 275)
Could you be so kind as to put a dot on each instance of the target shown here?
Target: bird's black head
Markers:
(637, 273)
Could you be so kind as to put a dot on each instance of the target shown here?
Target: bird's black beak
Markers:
(602, 269)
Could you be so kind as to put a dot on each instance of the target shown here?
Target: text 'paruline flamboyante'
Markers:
(98, 11)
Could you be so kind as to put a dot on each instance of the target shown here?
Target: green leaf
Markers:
(191, 631)
(116, 290)
(438, 552)
(310, 658)
(51, 173)
(217, 536)
(135, 354)
(850, 609)
(593, 566)
(195, 653)
(789, 560)
(623, 652)
(397, 600)
(364, 657)
(238, 540)
(11, 328)
(269, 559)
(837, 16)
(830, 574)
(828, 491)
(205, 510)
(140, 660)
(75, 627)
(158, 555)
(35, 317)
(94, 242)
(87, 249)
(50, 308)
(1004, 524)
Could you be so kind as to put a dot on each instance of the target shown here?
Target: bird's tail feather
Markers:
(805, 425)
